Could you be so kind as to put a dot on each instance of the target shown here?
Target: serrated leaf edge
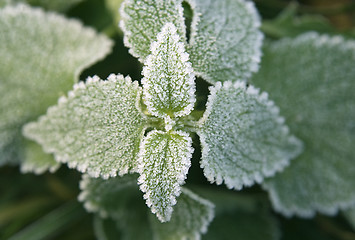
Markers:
(263, 97)
(106, 43)
(26, 130)
(169, 27)
(256, 58)
(187, 162)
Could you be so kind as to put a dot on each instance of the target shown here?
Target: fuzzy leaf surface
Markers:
(243, 138)
(311, 78)
(225, 41)
(168, 83)
(42, 55)
(142, 20)
(164, 161)
(36, 161)
(120, 199)
(190, 218)
(96, 129)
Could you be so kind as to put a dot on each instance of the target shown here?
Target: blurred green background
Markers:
(46, 206)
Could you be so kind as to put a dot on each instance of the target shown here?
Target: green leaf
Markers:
(243, 137)
(120, 199)
(96, 129)
(105, 229)
(350, 215)
(42, 56)
(142, 20)
(225, 41)
(164, 161)
(190, 218)
(311, 78)
(36, 160)
(54, 5)
(168, 83)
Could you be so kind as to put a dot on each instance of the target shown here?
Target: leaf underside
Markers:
(164, 161)
(243, 137)
(168, 82)
(42, 55)
(311, 78)
(96, 129)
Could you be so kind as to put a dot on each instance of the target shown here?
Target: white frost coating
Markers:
(168, 82)
(242, 138)
(142, 20)
(191, 217)
(163, 163)
(225, 39)
(97, 129)
(322, 97)
(59, 50)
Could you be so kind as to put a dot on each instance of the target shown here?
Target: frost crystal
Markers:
(97, 129)
(225, 40)
(142, 20)
(243, 137)
(311, 78)
(42, 55)
(168, 82)
(164, 161)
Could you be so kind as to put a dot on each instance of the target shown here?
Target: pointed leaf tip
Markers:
(164, 161)
(169, 82)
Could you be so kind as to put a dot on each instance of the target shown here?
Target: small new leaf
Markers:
(311, 79)
(96, 129)
(243, 137)
(164, 161)
(168, 83)
(42, 55)
(142, 20)
(225, 40)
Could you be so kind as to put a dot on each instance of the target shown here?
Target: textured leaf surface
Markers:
(243, 137)
(311, 78)
(96, 129)
(120, 199)
(36, 160)
(225, 41)
(190, 218)
(42, 55)
(164, 161)
(168, 81)
(142, 20)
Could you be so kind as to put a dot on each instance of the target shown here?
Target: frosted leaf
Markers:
(142, 20)
(225, 40)
(36, 161)
(243, 137)
(96, 129)
(164, 161)
(119, 198)
(191, 217)
(168, 83)
(42, 55)
(311, 78)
